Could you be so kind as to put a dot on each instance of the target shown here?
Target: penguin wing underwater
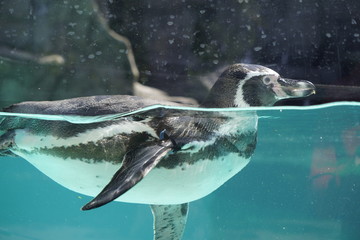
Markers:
(165, 161)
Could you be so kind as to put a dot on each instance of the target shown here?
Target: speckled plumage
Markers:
(161, 157)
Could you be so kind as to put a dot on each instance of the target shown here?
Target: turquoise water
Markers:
(302, 183)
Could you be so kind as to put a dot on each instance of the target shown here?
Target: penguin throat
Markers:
(239, 100)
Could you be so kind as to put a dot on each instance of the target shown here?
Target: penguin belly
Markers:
(181, 184)
(196, 170)
(74, 174)
(185, 183)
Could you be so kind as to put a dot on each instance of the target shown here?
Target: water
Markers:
(302, 183)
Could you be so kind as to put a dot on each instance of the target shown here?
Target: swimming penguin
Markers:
(158, 157)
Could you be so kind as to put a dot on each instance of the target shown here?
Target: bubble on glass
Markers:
(11, 10)
(202, 11)
(256, 49)
(328, 35)
(215, 61)
(202, 45)
(171, 41)
(98, 53)
(356, 34)
(170, 23)
(91, 56)
(71, 33)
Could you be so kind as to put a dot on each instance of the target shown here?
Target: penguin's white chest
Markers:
(161, 186)
(185, 181)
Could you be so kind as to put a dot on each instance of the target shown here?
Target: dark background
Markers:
(59, 49)
(179, 46)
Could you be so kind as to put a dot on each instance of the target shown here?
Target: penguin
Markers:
(162, 157)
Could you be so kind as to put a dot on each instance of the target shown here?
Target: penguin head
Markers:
(244, 85)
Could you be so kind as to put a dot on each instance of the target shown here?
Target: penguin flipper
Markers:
(136, 165)
(169, 221)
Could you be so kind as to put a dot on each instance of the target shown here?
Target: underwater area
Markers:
(302, 182)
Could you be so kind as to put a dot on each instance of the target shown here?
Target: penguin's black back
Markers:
(86, 106)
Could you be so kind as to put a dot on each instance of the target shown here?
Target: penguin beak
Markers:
(289, 88)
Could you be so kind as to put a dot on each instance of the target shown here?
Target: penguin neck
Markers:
(220, 99)
(217, 101)
(222, 94)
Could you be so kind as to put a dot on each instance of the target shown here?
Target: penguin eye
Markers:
(266, 80)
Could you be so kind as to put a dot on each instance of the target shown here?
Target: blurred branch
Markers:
(22, 56)
(120, 38)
